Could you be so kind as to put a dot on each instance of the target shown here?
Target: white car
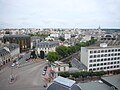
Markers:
(13, 65)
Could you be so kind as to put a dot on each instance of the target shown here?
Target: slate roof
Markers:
(3, 52)
(76, 63)
(17, 36)
(61, 83)
(12, 46)
(113, 80)
(95, 85)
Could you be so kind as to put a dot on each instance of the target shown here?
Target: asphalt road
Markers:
(28, 77)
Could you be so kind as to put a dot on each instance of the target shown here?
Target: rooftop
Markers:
(64, 81)
(113, 80)
(95, 85)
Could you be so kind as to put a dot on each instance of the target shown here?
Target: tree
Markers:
(62, 51)
(61, 38)
(52, 56)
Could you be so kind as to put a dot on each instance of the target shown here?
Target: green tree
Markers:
(61, 38)
(52, 56)
(62, 51)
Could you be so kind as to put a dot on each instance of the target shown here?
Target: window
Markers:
(90, 60)
(97, 68)
(112, 50)
(90, 65)
(116, 50)
(108, 59)
(91, 56)
(109, 50)
(101, 64)
(91, 51)
(98, 60)
(108, 67)
(94, 51)
(118, 62)
(111, 62)
(108, 54)
(102, 51)
(117, 66)
(105, 50)
(111, 66)
(101, 68)
(94, 56)
(114, 62)
(94, 64)
(98, 51)
(90, 69)
(111, 58)
(101, 59)
(104, 67)
(105, 59)
(98, 64)
(98, 55)
(102, 55)
(94, 69)
(104, 63)
(94, 60)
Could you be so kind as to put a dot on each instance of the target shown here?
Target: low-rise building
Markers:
(47, 46)
(13, 49)
(59, 66)
(4, 56)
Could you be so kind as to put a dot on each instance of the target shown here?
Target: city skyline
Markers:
(59, 13)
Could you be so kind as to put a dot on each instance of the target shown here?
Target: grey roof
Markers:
(57, 86)
(95, 85)
(61, 83)
(47, 43)
(17, 36)
(12, 46)
(113, 80)
(64, 81)
(3, 52)
(76, 63)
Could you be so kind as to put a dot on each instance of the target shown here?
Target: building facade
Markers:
(103, 58)
(4, 56)
(24, 41)
(47, 46)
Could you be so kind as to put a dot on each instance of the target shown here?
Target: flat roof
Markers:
(98, 47)
(113, 80)
(94, 85)
(64, 81)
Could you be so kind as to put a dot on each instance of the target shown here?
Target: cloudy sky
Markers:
(59, 13)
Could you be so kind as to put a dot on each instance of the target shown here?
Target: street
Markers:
(28, 77)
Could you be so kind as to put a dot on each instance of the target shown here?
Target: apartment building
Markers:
(101, 58)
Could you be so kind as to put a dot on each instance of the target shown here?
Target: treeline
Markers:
(82, 74)
(63, 51)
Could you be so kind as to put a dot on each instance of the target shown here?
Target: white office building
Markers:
(101, 58)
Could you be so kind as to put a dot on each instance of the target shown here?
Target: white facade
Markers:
(60, 67)
(101, 58)
(47, 46)
(67, 36)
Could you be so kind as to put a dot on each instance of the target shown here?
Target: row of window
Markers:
(105, 59)
(106, 63)
(102, 51)
(103, 68)
(104, 55)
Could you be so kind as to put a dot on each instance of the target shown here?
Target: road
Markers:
(28, 77)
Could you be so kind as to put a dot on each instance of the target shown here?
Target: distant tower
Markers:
(99, 29)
